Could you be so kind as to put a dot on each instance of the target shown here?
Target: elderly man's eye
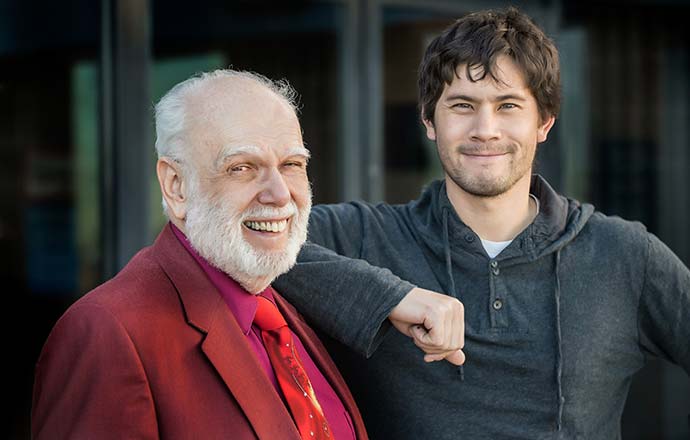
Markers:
(239, 168)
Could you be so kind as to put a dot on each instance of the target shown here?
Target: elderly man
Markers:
(189, 340)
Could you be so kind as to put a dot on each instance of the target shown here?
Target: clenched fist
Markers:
(435, 322)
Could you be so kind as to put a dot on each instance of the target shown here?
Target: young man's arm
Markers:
(664, 313)
(351, 299)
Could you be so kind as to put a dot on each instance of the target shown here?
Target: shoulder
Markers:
(614, 230)
(130, 299)
(133, 286)
(430, 194)
(621, 246)
(357, 208)
(355, 217)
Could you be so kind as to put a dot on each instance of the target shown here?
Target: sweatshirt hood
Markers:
(559, 221)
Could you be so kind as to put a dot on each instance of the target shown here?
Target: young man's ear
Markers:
(173, 187)
(544, 128)
(430, 130)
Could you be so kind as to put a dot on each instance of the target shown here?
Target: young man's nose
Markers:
(485, 126)
(275, 190)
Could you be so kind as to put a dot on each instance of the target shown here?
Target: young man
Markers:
(562, 303)
(190, 340)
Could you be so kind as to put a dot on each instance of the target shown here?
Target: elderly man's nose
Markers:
(275, 190)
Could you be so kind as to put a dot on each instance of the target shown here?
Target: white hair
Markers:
(171, 113)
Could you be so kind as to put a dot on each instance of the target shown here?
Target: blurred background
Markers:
(78, 80)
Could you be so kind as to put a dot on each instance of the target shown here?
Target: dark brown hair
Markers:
(476, 41)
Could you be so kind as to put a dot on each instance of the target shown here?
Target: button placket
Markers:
(499, 319)
(494, 267)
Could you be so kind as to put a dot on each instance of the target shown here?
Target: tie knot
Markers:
(267, 316)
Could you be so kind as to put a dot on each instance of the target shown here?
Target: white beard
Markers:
(214, 229)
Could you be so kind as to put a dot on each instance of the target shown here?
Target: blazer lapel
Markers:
(227, 349)
(225, 345)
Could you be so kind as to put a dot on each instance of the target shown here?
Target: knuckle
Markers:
(447, 308)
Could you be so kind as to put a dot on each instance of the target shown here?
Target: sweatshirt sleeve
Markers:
(342, 295)
(664, 313)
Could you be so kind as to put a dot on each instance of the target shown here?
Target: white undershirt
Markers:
(494, 248)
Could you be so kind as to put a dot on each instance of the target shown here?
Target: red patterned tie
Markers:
(290, 372)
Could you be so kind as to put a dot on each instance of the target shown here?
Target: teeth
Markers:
(278, 226)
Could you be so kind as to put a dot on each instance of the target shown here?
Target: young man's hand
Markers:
(435, 322)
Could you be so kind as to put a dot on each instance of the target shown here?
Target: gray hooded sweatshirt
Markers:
(556, 324)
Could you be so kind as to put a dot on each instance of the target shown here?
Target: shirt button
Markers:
(494, 263)
(469, 238)
(495, 271)
(497, 304)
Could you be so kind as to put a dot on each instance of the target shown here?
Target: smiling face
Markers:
(486, 131)
(248, 200)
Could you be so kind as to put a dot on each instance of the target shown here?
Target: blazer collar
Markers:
(224, 345)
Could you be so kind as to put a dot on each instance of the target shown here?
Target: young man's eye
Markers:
(462, 106)
(508, 105)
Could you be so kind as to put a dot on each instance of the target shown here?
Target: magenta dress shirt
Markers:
(242, 304)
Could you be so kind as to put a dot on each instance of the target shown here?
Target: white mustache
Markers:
(269, 212)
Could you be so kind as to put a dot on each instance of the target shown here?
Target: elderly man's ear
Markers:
(173, 187)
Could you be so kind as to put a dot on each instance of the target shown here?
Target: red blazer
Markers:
(156, 353)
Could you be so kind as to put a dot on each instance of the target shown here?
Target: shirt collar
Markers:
(242, 304)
